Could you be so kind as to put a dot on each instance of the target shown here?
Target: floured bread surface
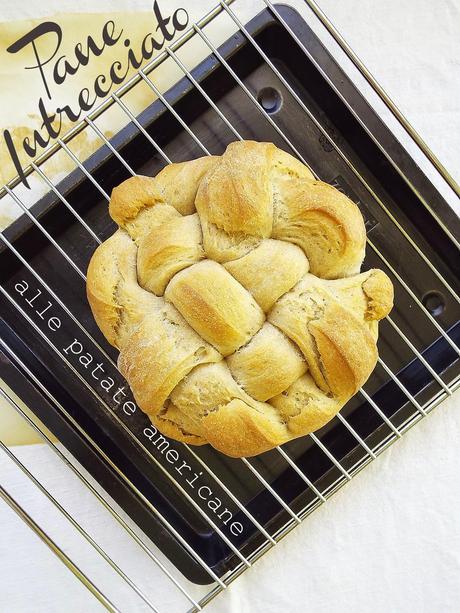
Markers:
(233, 291)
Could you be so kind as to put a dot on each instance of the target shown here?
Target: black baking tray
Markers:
(28, 352)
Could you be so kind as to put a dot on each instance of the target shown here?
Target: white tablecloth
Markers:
(388, 541)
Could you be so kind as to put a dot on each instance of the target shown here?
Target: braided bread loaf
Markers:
(231, 289)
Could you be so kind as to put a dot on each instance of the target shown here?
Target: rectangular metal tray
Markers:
(31, 365)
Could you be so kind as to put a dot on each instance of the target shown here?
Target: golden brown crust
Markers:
(258, 270)
(239, 431)
(235, 200)
(131, 196)
(166, 250)
(178, 183)
(215, 305)
(160, 352)
(250, 350)
(173, 424)
(102, 280)
(346, 350)
(326, 224)
(282, 363)
(117, 301)
(379, 294)
(304, 407)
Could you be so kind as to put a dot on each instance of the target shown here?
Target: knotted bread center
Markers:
(232, 290)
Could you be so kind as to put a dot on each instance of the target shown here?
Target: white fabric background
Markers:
(390, 540)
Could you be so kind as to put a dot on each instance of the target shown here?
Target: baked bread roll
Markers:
(232, 290)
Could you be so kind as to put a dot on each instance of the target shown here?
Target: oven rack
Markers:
(446, 387)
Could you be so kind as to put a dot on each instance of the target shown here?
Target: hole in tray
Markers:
(434, 302)
(270, 99)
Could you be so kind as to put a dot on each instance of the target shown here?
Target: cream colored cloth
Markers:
(388, 541)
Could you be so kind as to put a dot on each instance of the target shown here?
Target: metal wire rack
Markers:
(368, 451)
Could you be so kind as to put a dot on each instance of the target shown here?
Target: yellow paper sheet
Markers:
(23, 86)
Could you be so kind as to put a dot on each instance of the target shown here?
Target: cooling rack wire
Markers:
(218, 584)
